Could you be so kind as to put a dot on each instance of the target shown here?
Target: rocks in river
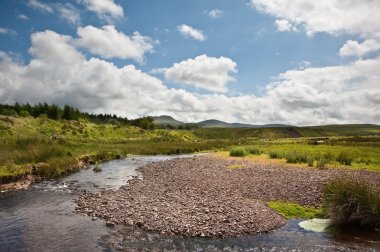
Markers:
(97, 169)
(202, 197)
(110, 224)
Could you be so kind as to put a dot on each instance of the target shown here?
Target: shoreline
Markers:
(201, 196)
(27, 180)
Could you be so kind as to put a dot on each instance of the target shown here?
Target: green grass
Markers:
(235, 166)
(295, 211)
(238, 152)
(27, 141)
(352, 202)
(362, 155)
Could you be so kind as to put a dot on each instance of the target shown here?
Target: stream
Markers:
(42, 218)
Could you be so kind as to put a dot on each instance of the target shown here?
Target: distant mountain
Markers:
(212, 123)
(166, 120)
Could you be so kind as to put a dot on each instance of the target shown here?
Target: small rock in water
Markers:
(110, 224)
(97, 169)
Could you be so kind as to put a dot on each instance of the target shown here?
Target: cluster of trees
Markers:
(68, 112)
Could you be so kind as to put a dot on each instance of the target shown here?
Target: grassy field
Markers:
(52, 148)
(337, 152)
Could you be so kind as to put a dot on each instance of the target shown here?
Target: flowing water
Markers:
(42, 218)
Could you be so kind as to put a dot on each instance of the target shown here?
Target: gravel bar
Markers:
(202, 196)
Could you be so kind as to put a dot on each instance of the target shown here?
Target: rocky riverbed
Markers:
(204, 196)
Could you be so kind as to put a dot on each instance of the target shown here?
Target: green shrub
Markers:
(328, 156)
(275, 154)
(321, 163)
(238, 152)
(344, 158)
(253, 150)
(310, 161)
(24, 113)
(352, 202)
(296, 157)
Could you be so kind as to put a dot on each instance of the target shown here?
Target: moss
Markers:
(292, 210)
(235, 166)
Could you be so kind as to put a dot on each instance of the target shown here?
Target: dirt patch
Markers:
(201, 196)
(22, 183)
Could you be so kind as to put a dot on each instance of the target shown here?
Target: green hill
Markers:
(166, 120)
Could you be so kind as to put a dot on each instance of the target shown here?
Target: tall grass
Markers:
(344, 158)
(295, 157)
(238, 152)
(352, 202)
(254, 150)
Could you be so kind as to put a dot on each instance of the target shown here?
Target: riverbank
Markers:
(211, 196)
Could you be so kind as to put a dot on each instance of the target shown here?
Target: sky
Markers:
(299, 62)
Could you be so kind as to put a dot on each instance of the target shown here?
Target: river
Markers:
(42, 218)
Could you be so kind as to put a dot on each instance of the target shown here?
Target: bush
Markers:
(328, 157)
(296, 157)
(238, 152)
(253, 150)
(321, 163)
(344, 158)
(352, 202)
(275, 154)
(24, 113)
(310, 161)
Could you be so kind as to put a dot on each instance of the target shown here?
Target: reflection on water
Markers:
(42, 219)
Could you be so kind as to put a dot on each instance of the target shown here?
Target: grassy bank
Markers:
(52, 148)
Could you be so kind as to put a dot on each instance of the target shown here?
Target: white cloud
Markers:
(332, 16)
(105, 9)
(190, 32)
(284, 25)
(38, 5)
(22, 16)
(59, 73)
(65, 11)
(7, 31)
(354, 48)
(203, 72)
(110, 43)
(69, 13)
(215, 13)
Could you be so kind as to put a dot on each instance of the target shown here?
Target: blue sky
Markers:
(249, 61)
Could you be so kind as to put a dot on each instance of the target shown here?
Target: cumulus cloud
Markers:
(105, 9)
(110, 43)
(332, 16)
(215, 13)
(191, 32)
(354, 48)
(59, 73)
(40, 6)
(204, 72)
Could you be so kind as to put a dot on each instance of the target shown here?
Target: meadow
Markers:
(51, 148)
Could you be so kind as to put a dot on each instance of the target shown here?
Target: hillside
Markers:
(166, 120)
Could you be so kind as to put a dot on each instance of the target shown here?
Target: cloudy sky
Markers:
(300, 62)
